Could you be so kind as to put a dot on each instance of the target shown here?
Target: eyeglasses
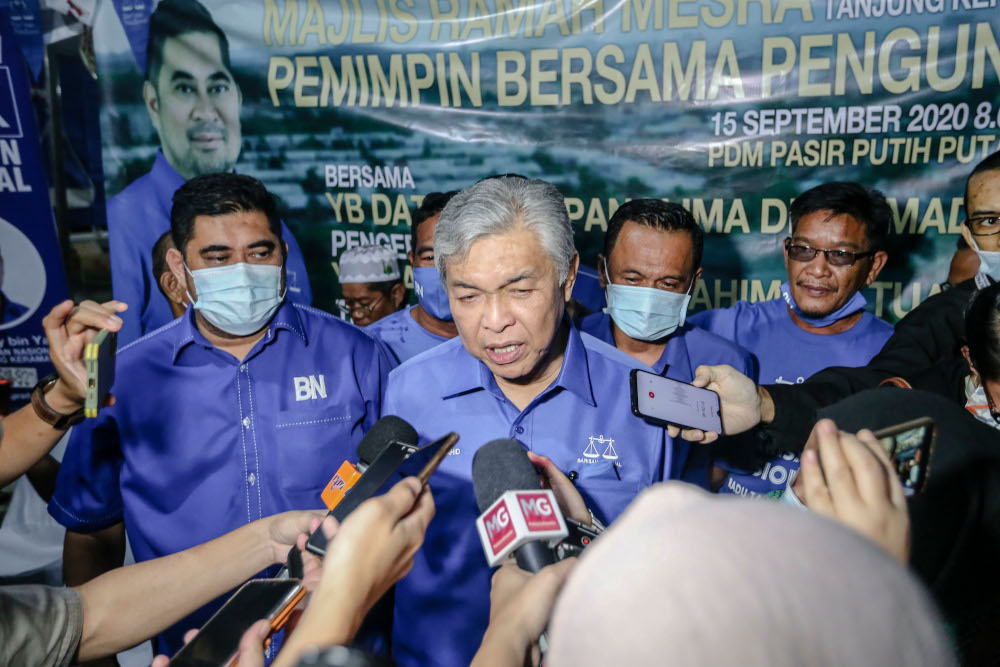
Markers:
(984, 225)
(357, 307)
(805, 253)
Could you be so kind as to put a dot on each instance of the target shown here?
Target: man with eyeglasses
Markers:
(371, 283)
(835, 251)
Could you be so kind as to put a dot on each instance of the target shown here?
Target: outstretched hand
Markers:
(743, 403)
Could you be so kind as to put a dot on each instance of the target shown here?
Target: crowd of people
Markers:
(235, 402)
(225, 424)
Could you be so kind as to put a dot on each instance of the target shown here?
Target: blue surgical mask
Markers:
(989, 261)
(238, 298)
(431, 293)
(645, 313)
(853, 305)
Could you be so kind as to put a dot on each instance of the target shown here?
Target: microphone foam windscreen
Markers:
(500, 466)
(388, 429)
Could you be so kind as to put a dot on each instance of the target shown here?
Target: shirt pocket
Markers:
(312, 443)
(607, 496)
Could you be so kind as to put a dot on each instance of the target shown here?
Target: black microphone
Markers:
(500, 466)
(383, 449)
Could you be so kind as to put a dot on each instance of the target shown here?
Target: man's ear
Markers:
(878, 263)
(602, 270)
(176, 263)
(967, 235)
(397, 294)
(567, 286)
(172, 288)
(694, 280)
(152, 104)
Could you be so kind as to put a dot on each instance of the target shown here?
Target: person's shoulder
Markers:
(429, 361)
(602, 353)
(873, 324)
(165, 336)
(321, 324)
(956, 298)
(393, 322)
(707, 341)
(135, 193)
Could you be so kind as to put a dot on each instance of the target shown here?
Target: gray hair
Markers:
(499, 205)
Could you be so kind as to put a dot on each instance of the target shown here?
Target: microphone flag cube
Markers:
(518, 517)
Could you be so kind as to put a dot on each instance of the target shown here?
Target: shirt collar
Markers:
(470, 374)
(287, 317)
(167, 180)
(675, 358)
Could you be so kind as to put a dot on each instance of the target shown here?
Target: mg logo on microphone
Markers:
(499, 528)
(537, 510)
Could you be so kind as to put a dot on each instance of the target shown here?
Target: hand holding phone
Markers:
(668, 402)
(849, 478)
(372, 549)
(218, 641)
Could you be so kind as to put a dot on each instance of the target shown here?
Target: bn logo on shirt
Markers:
(309, 388)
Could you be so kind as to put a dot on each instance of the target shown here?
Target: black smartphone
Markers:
(669, 402)
(218, 641)
(99, 358)
(909, 446)
(396, 461)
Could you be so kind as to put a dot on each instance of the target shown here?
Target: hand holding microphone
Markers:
(520, 606)
(373, 549)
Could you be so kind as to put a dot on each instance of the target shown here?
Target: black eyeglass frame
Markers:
(969, 222)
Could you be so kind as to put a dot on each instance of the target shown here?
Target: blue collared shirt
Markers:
(199, 443)
(137, 217)
(688, 348)
(583, 422)
(404, 337)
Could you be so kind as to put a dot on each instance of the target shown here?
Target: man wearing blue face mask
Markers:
(416, 329)
(243, 407)
(835, 250)
(650, 264)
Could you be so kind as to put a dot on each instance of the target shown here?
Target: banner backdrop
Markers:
(32, 279)
(352, 110)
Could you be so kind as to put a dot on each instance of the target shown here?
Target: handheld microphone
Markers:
(389, 428)
(517, 514)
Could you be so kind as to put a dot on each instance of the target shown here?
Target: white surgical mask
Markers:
(238, 298)
(989, 261)
(645, 313)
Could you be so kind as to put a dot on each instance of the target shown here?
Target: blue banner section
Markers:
(25, 17)
(32, 278)
(134, 15)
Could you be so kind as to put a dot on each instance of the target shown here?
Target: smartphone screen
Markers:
(908, 446)
(665, 401)
(219, 639)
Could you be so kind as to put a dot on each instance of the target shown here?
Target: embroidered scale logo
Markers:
(607, 447)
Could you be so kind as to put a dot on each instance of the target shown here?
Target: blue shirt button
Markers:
(519, 429)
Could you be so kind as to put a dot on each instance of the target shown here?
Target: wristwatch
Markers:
(57, 419)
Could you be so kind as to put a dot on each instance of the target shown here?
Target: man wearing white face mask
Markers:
(650, 264)
(243, 407)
